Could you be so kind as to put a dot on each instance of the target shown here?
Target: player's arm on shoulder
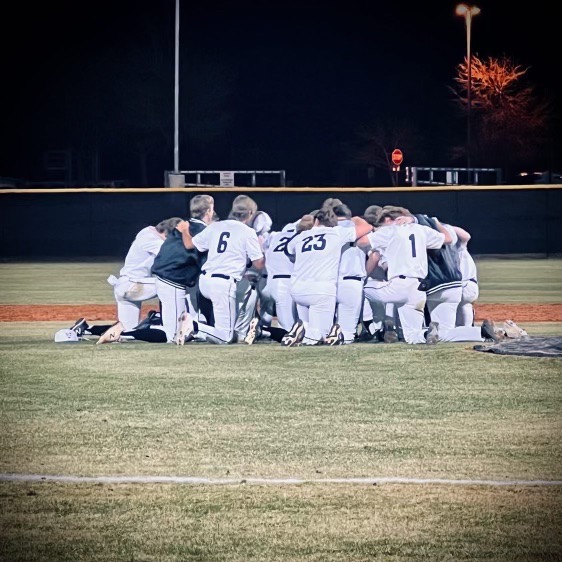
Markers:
(362, 227)
(405, 219)
(363, 243)
(183, 227)
(444, 231)
(463, 235)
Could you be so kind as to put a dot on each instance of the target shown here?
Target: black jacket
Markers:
(443, 264)
(175, 263)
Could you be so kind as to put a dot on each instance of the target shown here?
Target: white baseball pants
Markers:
(349, 300)
(173, 302)
(222, 293)
(442, 306)
(317, 313)
(409, 301)
(266, 302)
(129, 296)
(280, 290)
(246, 302)
(465, 310)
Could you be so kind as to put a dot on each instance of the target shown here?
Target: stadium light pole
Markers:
(177, 93)
(467, 12)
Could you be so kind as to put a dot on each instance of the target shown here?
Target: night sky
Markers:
(264, 85)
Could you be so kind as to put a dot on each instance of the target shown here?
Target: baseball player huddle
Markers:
(329, 278)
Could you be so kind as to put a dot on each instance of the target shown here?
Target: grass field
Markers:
(241, 413)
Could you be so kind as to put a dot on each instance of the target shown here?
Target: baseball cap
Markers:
(66, 336)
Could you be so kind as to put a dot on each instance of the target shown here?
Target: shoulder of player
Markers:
(196, 226)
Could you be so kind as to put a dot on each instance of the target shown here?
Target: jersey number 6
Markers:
(221, 248)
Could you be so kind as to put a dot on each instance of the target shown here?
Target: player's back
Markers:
(229, 243)
(141, 254)
(352, 259)
(317, 256)
(405, 248)
(277, 261)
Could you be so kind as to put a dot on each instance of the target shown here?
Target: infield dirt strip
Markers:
(63, 312)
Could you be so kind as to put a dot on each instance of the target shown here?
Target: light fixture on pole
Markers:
(467, 12)
(176, 92)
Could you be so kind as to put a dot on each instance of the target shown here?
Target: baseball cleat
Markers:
(112, 335)
(153, 318)
(512, 330)
(363, 333)
(335, 336)
(185, 329)
(390, 334)
(80, 326)
(252, 331)
(432, 334)
(488, 331)
(294, 337)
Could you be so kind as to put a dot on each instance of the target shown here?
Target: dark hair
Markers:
(306, 223)
(168, 225)
(404, 212)
(326, 217)
(371, 214)
(331, 202)
(342, 211)
(392, 213)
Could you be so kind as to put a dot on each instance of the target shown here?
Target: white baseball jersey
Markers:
(317, 256)
(353, 259)
(404, 247)
(262, 223)
(291, 227)
(141, 254)
(230, 244)
(276, 259)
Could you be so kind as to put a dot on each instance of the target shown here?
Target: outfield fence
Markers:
(101, 222)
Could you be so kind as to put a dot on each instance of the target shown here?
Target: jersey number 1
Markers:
(412, 239)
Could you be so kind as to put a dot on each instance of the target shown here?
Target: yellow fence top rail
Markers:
(45, 191)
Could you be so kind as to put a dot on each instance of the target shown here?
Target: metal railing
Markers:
(182, 177)
(417, 175)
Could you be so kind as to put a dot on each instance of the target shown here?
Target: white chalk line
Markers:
(265, 481)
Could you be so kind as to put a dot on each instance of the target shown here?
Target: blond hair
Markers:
(199, 205)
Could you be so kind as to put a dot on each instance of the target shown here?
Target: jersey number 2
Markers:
(282, 246)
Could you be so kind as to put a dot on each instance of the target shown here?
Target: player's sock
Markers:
(147, 334)
(99, 330)
(276, 333)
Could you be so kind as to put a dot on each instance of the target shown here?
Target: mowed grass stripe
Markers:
(266, 481)
(501, 281)
(309, 523)
(441, 411)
